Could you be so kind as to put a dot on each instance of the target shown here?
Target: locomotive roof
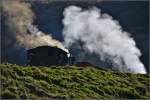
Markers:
(47, 48)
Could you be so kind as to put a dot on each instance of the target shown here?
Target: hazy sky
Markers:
(132, 15)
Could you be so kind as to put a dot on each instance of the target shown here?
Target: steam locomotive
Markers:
(49, 56)
(52, 56)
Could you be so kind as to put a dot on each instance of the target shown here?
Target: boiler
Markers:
(47, 56)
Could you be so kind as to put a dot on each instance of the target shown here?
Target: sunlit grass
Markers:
(68, 83)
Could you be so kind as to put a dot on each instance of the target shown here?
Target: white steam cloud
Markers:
(102, 35)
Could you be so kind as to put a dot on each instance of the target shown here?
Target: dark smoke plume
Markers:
(21, 33)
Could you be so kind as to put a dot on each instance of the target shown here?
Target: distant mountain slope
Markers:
(70, 83)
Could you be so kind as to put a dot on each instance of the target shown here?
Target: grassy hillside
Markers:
(70, 83)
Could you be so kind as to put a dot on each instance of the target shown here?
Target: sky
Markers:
(133, 16)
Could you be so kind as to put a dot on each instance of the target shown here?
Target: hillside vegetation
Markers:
(71, 83)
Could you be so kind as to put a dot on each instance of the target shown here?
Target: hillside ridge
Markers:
(72, 82)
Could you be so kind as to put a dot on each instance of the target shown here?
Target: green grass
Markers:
(71, 83)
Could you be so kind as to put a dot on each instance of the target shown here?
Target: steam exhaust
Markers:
(103, 36)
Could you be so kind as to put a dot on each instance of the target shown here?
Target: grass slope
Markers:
(70, 83)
